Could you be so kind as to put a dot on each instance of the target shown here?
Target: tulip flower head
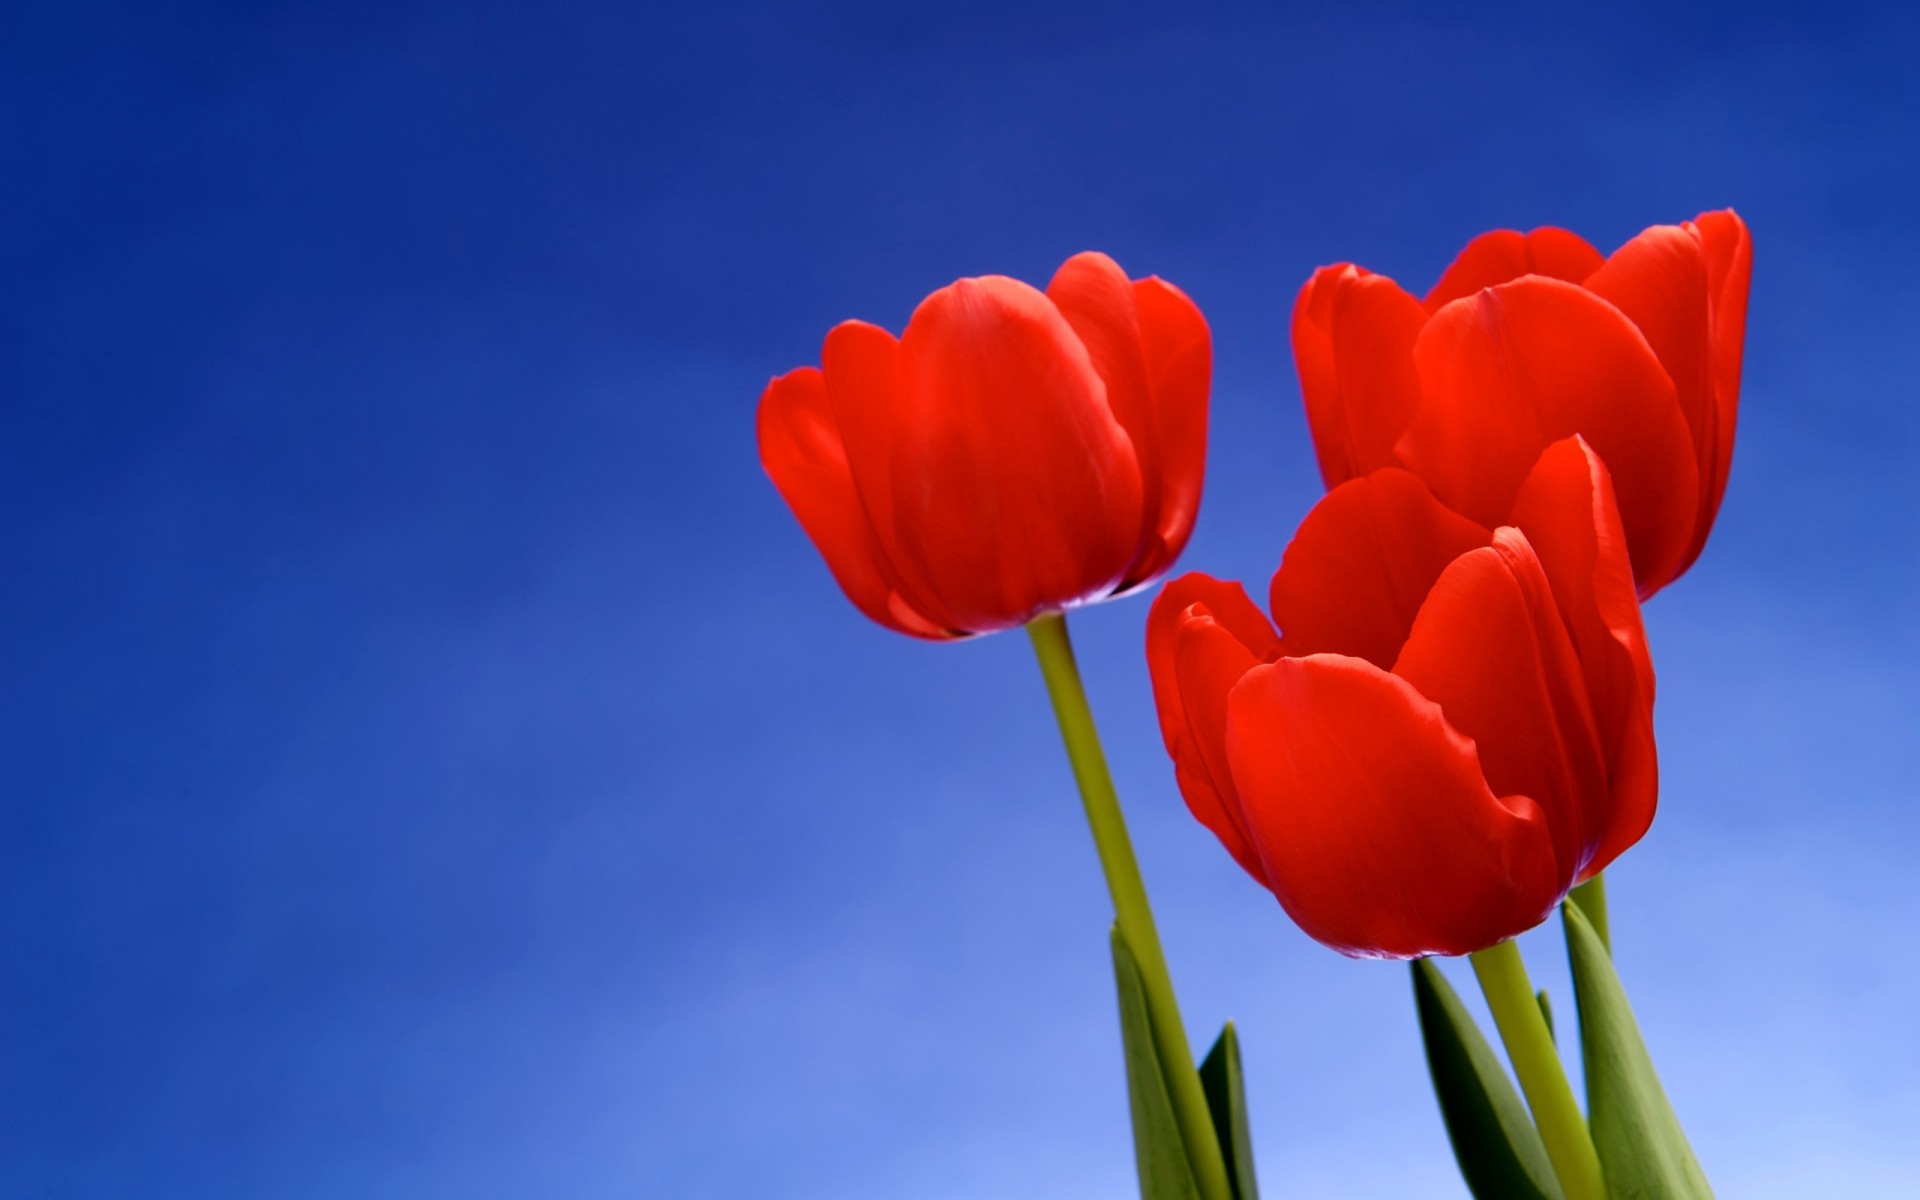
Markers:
(1531, 338)
(1014, 452)
(1451, 726)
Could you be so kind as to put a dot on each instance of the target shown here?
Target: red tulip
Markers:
(1531, 338)
(1013, 453)
(1453, 725)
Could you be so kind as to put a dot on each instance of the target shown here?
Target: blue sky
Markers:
(436, 765)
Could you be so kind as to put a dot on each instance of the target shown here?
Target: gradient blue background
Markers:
(435, 764)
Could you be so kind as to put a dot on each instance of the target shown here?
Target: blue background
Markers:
(436, 765)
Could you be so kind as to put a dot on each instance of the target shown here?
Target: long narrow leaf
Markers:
(1159, 1152)
(1227, 1100)
(1641, 1146)
(1500, 1153)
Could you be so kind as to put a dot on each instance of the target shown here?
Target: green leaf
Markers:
(1159, 1152)
(1227, 1101)
(1500, 1153)
(1546, 1012)
(1641, 1146)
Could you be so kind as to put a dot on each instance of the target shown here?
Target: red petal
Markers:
(1506, 254)
(1566, 509)
(800, 448)
(1097, 300)
(1179, 352)
(1729, 254)
(1202, 636)
(1659, 280)
(861, 363)
(1517, 367)
(1379, 835)
(1319, 376)
(1490, 648)
(1361, 565)
(1013, 490)
(1353, 337)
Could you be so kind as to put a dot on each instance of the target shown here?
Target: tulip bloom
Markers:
(1014, 452)
(1531, 338)
(1451, 727)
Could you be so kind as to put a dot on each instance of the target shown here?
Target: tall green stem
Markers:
(1055, 652)
(1503, 979)
(1591, 897)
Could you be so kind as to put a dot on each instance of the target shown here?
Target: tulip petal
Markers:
(861, 364)
(1490, 648)
(1353, 338)
(1312, 335)
(1097, 300)
(1506, 254)
(1729, 255)
(1014, 490)
(1380, 836)
(1566, 509)
(1361, 565)
(1516, 367)
(801, 449)
(1179, 353)
(1659, 280)
(1203, 635)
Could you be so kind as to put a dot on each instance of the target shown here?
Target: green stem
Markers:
(1591, 897)
(1503, 978)
(1055, 652)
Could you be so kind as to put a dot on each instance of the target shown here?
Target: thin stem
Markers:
(1055, 652)
(1591, 897)
(1503, 979)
